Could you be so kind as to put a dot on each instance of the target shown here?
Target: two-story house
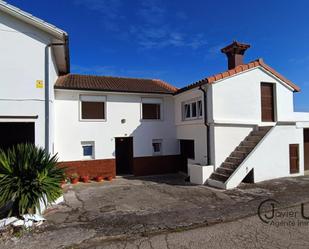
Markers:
(238, 125)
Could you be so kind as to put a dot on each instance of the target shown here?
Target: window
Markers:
(157, 146)
(93, 107)
(88, 150)
(151, 109)
(193, 110)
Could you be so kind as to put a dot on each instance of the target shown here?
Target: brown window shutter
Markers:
(93, 110)
(267, 102)
(151, 111)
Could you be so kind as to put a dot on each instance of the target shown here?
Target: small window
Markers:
(151, 111)
(88, 150)
(192, 110)
(93, 110)
(93, 107)
(157, 146)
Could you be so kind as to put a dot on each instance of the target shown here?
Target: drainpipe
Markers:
(47, 92)
(206, 124)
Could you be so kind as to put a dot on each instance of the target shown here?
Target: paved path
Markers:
(245, 233)
(145, 206)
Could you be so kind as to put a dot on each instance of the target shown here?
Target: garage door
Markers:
(15, 133)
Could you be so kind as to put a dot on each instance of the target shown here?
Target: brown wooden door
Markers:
(306, 149)
(267, 102)
(294, 158)
(124, 155)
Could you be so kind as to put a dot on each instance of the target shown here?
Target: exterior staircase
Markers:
(231, 163)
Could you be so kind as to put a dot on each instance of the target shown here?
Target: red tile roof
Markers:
(113, 84)
(257, 63)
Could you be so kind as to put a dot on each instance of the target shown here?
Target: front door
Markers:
(187, 152)
(267, 102)
(124, 155)
(306, 148)
(294, 158)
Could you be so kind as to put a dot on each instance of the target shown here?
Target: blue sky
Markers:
(179, 41)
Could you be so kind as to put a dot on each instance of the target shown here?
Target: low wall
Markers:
(92, 168)
(156, 165)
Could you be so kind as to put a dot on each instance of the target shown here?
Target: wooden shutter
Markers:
(151, 111)
(294, 158)
(93, 110)
(267, 102)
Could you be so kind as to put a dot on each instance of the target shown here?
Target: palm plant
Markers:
(28, 176)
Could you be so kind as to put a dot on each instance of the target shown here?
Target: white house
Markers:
(238, 125)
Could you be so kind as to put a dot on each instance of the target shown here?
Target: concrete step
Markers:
(239, 154)
(264, 128)
(258, 133)
(225, 171)
(229, 165)
(215, 183)
(245, 148)
(219, 177)
(253, 138)
(248, 143)
(235, 160)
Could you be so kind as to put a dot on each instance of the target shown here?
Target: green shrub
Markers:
(28, 175)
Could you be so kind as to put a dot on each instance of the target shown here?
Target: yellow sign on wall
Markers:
(39, 84)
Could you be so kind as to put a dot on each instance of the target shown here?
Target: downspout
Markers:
(47, 92)
(206, 124)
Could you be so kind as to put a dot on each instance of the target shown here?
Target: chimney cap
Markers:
(236, 48)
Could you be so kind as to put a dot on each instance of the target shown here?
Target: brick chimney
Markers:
(235, 53)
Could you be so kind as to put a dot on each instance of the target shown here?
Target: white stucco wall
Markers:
(22, 63)
(192, 129)
(70, 131)
(236, 108)
(227, 138)
(270, 159)
(238, 99)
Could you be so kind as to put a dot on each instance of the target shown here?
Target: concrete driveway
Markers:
(130, 207)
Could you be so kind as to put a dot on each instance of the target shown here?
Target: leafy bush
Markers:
(28, 176)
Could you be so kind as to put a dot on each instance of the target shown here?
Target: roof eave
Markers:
(108, 90)
(26, 17)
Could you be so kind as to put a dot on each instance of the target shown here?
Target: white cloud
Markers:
(154, 28)
(114, 71)
(110, 11)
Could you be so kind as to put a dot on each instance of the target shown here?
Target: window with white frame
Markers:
(88, 150)
(157, 147)
(92, 107)
(152, 108)
(192, 109)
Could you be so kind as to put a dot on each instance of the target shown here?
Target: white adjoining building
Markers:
(238, 125)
